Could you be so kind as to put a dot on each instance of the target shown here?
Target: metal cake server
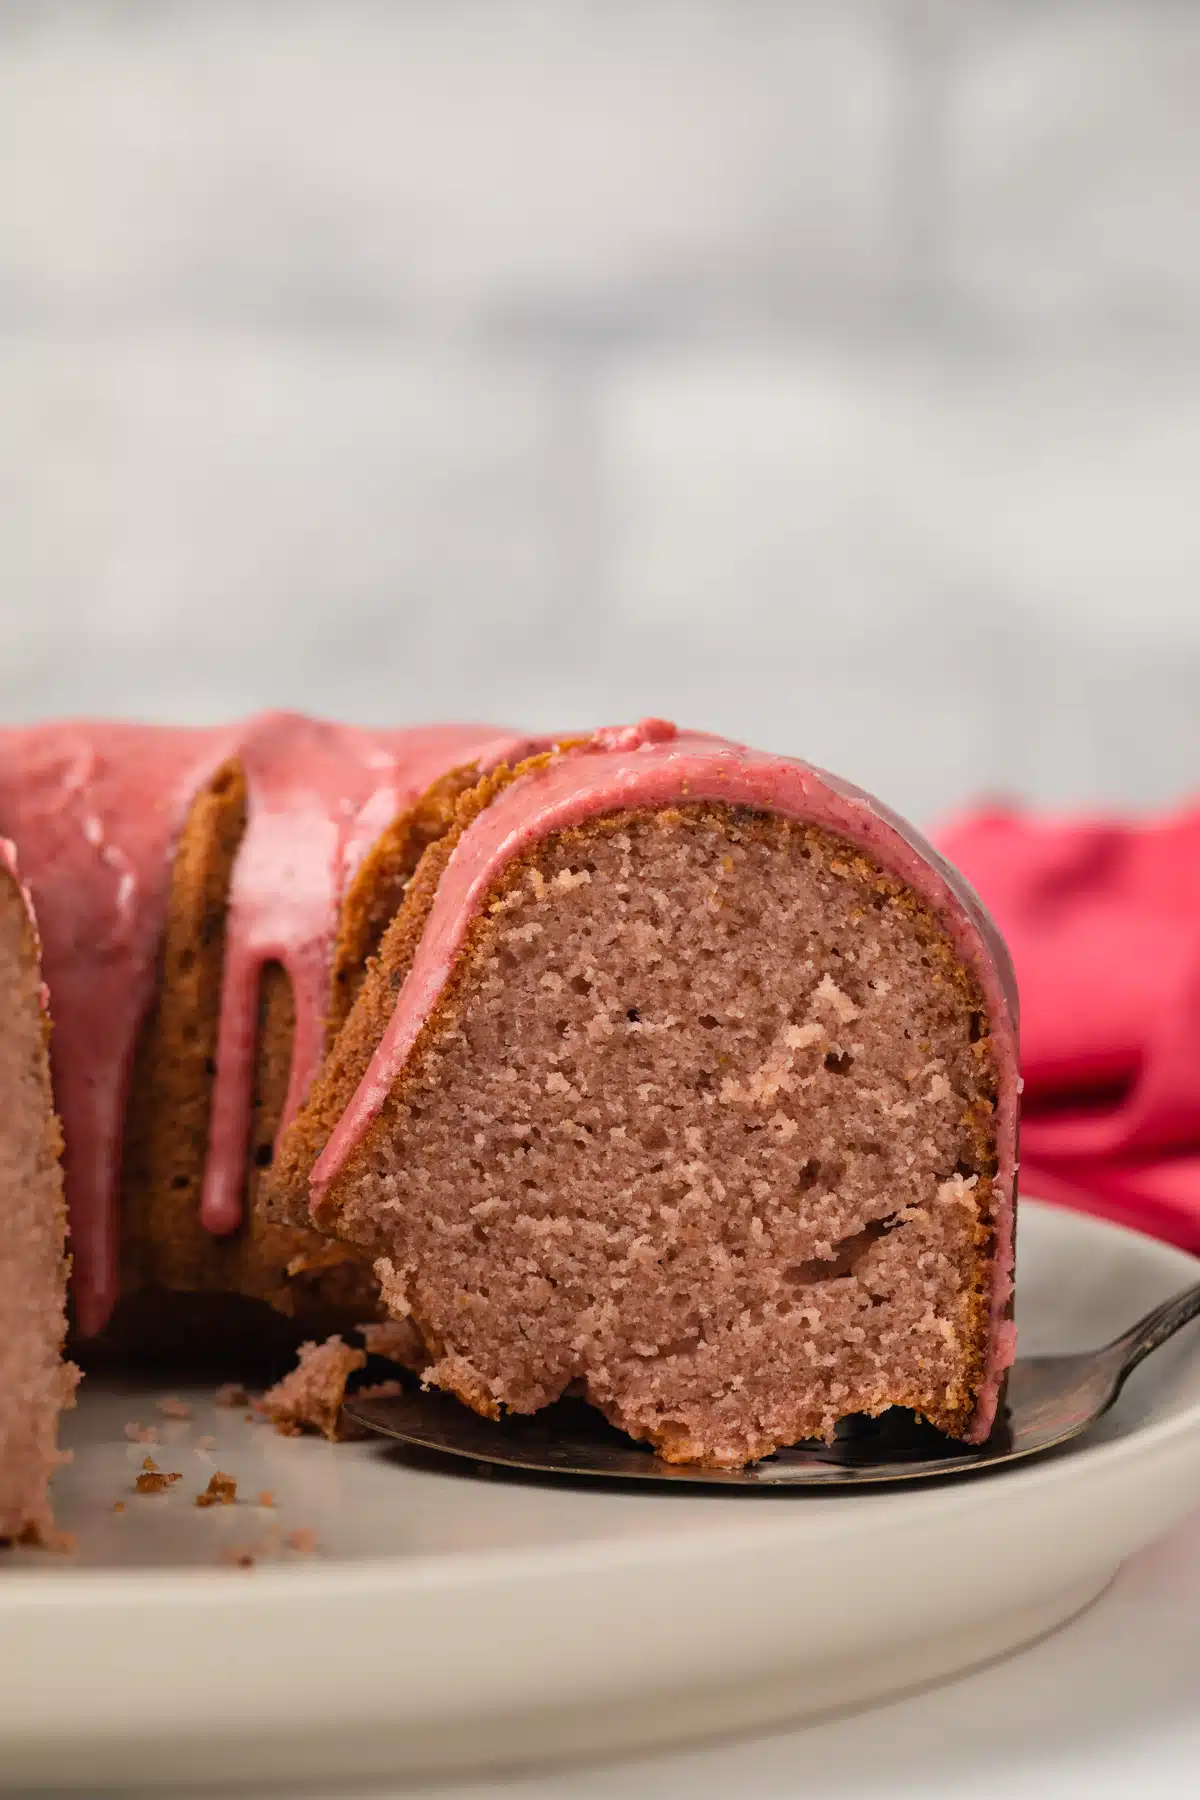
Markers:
(1051, 1399)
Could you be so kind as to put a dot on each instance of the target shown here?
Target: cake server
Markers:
(1050, 1401)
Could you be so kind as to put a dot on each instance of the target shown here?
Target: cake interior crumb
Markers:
(704, 1134)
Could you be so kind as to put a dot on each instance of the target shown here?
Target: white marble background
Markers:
(822, 372)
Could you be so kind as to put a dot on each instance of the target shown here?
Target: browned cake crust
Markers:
(314, 1280)
(377, 891)
(167, 1113)
(165, 1248)
(963, 1253)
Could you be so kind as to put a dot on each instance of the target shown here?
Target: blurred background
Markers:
(824, 374)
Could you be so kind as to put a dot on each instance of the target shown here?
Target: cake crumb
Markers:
(265, 1497)
(303, 1539)
(141, 1434)
(118, 1506)
(232, 1394)
(310, 1398)
(221, 1491)
(237, 1556)
(172, 1407)
(157, 1481)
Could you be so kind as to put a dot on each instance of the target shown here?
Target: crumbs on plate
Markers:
(154, 1480)
(221, 1491)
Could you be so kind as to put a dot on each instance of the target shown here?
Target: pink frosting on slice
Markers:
(654, 765)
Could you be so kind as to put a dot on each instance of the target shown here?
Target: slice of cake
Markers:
(35, 1383)
(684, 1078)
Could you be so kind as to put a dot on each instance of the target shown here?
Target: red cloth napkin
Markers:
(1103, 921)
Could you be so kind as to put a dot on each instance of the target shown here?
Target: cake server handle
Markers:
(1136, 1344)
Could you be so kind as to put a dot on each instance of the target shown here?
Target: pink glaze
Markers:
(96, 810)
(318, 797)
(654, 765)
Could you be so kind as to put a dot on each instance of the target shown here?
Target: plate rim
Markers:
(50, 1587)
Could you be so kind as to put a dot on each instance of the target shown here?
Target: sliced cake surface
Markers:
(35, 1383)
(686, 1081)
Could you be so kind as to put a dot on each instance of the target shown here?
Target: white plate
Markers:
(450, 1622)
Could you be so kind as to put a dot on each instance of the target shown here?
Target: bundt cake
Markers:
(637, 1065)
